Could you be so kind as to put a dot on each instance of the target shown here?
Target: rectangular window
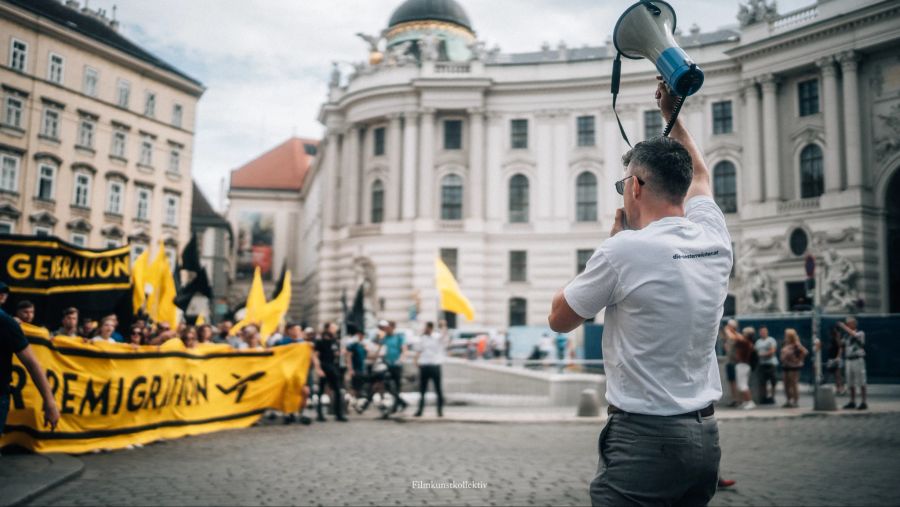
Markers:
(42, 231)
(378, 141)
(123, 93)
(55, 72)
(146, 152)
(113, 243)
(86, 133)
(50, 125)
(117, 148)
(453, 135)
(518, 266)
(79, 239)
(91, 76)
(722, 122)
(114, 199)
(653, 126)
(9, 173)
(136, 250)
(18, 55)
(6, 227)
(150, 105)
(46, 178)
(177, 113)
(82, 195)
(583, 257)
(13, 116)
(586, 131)
(808, 95)
(174, 160)
(450, 256)
(144, 197)
(171, 217)
(519, 134)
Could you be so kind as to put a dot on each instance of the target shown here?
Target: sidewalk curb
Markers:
(61, 468)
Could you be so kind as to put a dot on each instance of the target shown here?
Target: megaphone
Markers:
(645, 31)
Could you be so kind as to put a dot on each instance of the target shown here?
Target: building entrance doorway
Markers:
(892, 208)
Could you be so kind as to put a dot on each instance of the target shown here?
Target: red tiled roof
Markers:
(281, 168)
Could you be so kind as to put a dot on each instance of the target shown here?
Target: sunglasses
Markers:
(620, 185)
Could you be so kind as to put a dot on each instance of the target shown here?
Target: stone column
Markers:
(770, 137)
(394, 147)
(476, 163)
(542, 143)
(833, 180)
(343, 195)
(494, 160)
(353, 176)
(332, 166)
(752, 170)
(410, 143)
(856, 176)
(427, 193)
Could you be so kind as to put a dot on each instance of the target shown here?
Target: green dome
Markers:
(430, 10)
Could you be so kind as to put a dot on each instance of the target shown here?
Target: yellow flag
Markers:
(256, 301)
(138, 277)
(200, 320)
(452, 299)
(168, 312)
(276, 309)
(153, 278)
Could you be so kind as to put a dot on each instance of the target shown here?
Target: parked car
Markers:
(463, 341)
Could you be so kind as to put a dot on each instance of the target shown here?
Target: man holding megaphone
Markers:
(663, 278)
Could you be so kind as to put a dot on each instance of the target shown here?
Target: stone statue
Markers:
(335, 79)
(839, 292)
(756, 11)
(757, 293)
(479, 51)
(398, 54)
(429, 47)
(888, 144)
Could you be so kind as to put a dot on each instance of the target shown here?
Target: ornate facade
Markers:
(504, 164)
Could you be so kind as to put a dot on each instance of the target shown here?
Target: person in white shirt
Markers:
(663, 278)
(432, 349)
(855, 347)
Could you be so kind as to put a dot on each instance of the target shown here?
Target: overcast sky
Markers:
(265, 63)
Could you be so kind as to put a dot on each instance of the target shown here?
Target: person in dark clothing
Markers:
(13, 341)
(327, 350)
(356, 359)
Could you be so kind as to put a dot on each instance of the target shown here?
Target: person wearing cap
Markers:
(13, 341)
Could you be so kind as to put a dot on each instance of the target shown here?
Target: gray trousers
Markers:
(654, 460)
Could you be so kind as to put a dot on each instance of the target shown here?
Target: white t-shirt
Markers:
(764, 345)
(664, 290)
(432, 347)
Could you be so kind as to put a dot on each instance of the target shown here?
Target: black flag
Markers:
(199, 285)
(356, 319)
(190, 256)
(279, 285)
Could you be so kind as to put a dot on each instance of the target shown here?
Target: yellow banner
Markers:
(112, 395)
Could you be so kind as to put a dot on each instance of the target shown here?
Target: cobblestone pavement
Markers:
(848, 460)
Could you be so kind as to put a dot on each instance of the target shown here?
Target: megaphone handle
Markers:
(679, 101)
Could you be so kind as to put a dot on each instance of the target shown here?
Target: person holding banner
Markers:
(13, 341)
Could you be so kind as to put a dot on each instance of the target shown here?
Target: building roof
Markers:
(281, 168)
(91, 25)
(202, 212)
(430, 10)
(692, 40)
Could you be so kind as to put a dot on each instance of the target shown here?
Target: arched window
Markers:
(586, 197)
(518, 199)
(812, 181)
(518, 312)
(377, 202)
(451, 197)
(725, 186)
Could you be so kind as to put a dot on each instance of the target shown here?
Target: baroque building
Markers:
(96, 134)
(503, 164)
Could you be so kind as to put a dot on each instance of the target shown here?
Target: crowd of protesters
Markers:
(752, 351)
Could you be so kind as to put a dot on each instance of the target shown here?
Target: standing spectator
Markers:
(189, 337)
(136, 336)
(205, 334)
(69, 324)
(432, 347)
(793, 355)
(855, 343)
(766, 346)
(327, 349)
(104, 332)
(224, 328)
(395, 350)
(743, 354)
(13, 341)
(356, 360)
(117, 336)
(25, 312)
(835, 362)
(88, 328)
(295, 334)
(731, 337)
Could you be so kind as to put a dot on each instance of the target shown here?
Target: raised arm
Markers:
(51, 411)
(701, 185)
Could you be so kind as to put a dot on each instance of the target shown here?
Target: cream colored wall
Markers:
(79, 52)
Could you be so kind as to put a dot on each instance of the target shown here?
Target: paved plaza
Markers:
(815, 460)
